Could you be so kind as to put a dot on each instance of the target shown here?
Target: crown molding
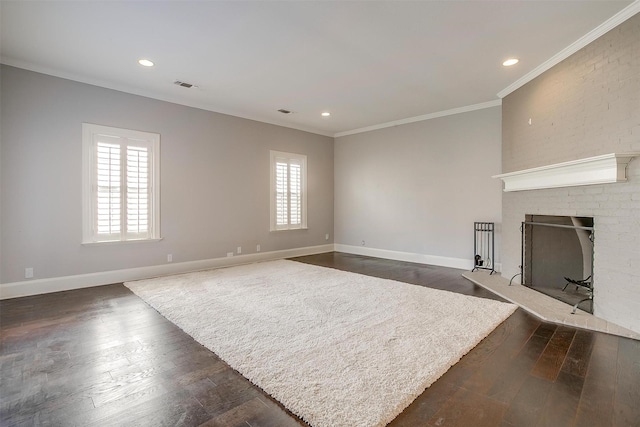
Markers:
(466, 109)
(149, 94)
(583, 41)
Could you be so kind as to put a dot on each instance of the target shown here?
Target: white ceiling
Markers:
(366, 62)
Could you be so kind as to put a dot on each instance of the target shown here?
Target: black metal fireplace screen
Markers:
(557, 258)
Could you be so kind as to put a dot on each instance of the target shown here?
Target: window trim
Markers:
(90, 132)
(302, 159)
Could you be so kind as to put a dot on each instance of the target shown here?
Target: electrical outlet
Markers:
(229, 254)
(363, 243)
(28, 273)
(257, 248)
(169, 257)
(326, 236)
(239, 249)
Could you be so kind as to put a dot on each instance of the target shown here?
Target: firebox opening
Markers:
(558, 258)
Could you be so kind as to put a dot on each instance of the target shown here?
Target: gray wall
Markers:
(587, 105)
(214, 176)
(419, 187)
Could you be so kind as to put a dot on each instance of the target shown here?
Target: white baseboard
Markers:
(66, 283)
(461, 263)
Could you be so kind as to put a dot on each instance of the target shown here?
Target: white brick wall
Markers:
(585, 106)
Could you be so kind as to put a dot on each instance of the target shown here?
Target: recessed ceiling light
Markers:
(145, 62)
(511, 61)
(326, 114)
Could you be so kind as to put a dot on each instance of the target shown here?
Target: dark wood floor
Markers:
(101, 356)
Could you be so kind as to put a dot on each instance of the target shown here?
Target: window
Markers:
(121, 176)
(288, 191)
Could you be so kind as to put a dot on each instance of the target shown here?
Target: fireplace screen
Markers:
(557, 258)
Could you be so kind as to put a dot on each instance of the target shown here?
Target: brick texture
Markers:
(587, 105)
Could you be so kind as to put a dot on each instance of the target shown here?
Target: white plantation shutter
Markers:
(282, 189)
(108, 189)
(295, 193)
(288, 187)
(138, 191)
(121, 172)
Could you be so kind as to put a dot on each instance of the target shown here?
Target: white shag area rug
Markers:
(335, 348)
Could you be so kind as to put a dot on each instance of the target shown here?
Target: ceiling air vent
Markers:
(183, 84)
(283, 111)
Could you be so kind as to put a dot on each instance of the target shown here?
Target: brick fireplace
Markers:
(615, 209)
(585, 106)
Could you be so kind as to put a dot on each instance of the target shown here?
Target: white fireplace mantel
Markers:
(603, 169)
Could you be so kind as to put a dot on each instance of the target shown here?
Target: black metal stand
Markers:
(483, 246)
